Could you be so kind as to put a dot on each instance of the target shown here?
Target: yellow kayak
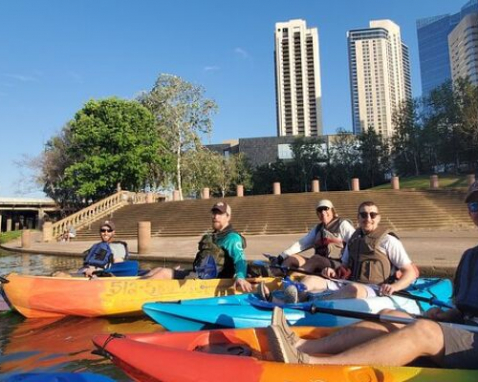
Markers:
(45, 296)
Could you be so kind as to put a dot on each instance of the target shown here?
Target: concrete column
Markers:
(26, 238)
(176, 195)
(395, 183)
(144, 237)
(240, 190)
(470, 179)
(17, 226)
(434, 181)
(149, 197)
(276, 188)
(315, 185)
(9, 225)
(0, 223)
(118, 187)
(355, 184)
(47, 231)
(205, 193)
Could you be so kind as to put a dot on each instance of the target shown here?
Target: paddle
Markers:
(404, 294)
(3, 280)
(381, 317)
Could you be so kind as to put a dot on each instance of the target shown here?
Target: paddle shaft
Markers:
(3, 280)
(382, 317)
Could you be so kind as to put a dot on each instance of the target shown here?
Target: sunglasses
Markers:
(322, 209)
(372, 215)
(106, 230)
(473, 207)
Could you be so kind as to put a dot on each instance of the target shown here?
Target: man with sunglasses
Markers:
(328, 239)
(372, 256)
(104, 253)
(376, 343)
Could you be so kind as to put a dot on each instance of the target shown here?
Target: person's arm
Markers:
(450, 315)
(301, 245)
(399, 259)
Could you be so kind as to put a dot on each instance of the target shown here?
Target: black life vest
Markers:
(367, 261)
(466, 283)
(211, 260)
(328, 237)
(100, 256)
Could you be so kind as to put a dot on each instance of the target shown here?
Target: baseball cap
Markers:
(108, 223)
(222, 207)
(472, 195)
(324, 203)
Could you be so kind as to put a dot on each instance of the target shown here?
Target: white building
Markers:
(463, 48)
(297, 69)
(379, 75)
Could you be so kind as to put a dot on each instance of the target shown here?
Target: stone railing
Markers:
(96, 211)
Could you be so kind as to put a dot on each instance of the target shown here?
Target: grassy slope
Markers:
(7, 236)
(423, 182)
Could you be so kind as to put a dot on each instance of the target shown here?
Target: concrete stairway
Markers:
(293, 213)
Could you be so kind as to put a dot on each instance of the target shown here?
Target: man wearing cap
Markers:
(224, 243)
(328, 238)
(105, 253)
(101, 255)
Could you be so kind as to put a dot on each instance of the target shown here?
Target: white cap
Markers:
(324, 203)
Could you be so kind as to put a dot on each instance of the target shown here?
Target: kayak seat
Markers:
(229, 349)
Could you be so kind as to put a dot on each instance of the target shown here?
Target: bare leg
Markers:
(316, 263)
(315, 283)
(422, 338)
(348, 291)
(351, 336)
(159, 273)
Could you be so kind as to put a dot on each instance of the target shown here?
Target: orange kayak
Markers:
(212, 356)
(44, 296)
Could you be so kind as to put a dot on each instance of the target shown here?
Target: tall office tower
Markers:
(379, 75)
(433, 49)
(297, 72)
(463, 47)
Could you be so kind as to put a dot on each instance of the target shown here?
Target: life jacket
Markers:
(327, 238)
(466, 283)
(368, 262)
(100, 256)
(211, 260)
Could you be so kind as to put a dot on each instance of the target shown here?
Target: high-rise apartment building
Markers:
(379, 75)
(463, 47)
(432, 32)
(297, 71)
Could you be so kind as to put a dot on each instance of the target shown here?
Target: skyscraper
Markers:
(432, 32)
(463, 47)
(297, 71)
(379, 75)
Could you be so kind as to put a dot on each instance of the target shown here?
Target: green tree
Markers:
(375, 158)
(307, 159)
(344, 158)
(182, 115)
(407, 145)
(108, 142)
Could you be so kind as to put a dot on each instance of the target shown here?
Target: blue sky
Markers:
(55, 55)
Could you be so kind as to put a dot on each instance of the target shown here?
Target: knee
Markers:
(394, 312)
(426, 329)
(354, 291)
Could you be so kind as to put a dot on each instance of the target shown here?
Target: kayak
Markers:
(45, 296)
(57, 377)
(247, 311)
(238, 355)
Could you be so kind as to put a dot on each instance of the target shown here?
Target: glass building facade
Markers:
(433, 34)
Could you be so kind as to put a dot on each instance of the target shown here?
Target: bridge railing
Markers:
(94, 212)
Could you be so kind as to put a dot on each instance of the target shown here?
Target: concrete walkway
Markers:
(436, 251)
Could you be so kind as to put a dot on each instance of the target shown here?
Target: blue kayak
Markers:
(57, 377)
(244, 311)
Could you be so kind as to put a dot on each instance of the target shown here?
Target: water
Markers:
(59, 345)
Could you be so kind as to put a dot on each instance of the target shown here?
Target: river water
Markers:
(57, 345)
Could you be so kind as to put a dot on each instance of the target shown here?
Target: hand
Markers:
(329, 273)
(434, 313)
(88, 271)
(243, 284)
(387, 290)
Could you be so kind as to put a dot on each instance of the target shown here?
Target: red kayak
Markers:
(240, 355)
